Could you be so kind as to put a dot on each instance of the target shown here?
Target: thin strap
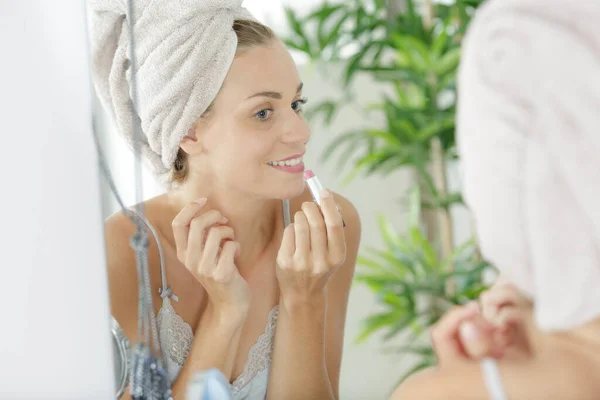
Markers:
(492, 379)
(286, 212)
(164, 290)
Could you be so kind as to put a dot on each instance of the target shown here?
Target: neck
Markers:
(255, 221)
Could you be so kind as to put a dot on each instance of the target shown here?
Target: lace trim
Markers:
(177, 335)
(174, 333)
(260, 354)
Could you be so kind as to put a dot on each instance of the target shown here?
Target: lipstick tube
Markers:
(315, 187)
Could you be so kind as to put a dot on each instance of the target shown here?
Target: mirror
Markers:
(120, 357)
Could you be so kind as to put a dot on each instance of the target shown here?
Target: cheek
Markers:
(244, 151)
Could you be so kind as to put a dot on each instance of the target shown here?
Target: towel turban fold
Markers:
(184, 50)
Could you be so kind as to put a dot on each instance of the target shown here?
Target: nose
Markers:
(295, 128)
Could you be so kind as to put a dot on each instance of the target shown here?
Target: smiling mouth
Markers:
(286, 163)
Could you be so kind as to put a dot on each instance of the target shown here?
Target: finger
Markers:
(498, 297)
(181, 224)
(336, 242)
(225, 263)
(215, 236)
(444, 334)
(317, 231)
(508, 317)
(302, 234)
(196, 237)
(477, 338)
(287, 248)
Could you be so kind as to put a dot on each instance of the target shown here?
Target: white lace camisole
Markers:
(176, 337)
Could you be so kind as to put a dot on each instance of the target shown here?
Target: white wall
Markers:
(55, 339)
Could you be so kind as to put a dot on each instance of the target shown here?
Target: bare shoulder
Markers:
(557, 372)
(122, 272)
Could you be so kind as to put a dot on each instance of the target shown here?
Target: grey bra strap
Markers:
(286, 213)
(164, 290)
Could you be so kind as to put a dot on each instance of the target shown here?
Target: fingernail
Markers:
(238, 250)
(223, 220)
(201, 201)
(326, 194)
(468, 331)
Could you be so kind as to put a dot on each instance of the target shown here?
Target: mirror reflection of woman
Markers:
(238, 290)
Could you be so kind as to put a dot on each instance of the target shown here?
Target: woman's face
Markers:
(257, 120)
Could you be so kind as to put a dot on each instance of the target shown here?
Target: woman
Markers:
(220, 104)
(528, 136)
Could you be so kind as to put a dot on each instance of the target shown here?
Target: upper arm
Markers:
(122, 272)
(338, 291)
(554, 373)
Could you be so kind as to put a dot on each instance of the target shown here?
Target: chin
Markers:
(290, 190)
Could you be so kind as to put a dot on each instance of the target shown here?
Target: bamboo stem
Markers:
(438, 169)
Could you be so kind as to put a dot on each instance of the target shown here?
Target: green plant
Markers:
(411, 283)
(417, 61)
(414, 54)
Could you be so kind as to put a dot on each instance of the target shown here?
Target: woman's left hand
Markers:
(313, 247)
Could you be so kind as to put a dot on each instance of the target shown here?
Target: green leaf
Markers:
(435, 128)
(355, 62)
(300, 47)
(374, 323)
(395, 75)
(388, 232)
(352, 175)
(325, 15)
(326, 108)
(448, 62)
(301, 41)
(414, 207)
(398, 327)
(416, 368)
(405, 129)
(390, 139)
(429, 255)
(414, 50)
(439, 44)
(338, 143)
(422, 350)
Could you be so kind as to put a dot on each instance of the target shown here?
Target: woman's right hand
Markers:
(206, 246)
(504, 306)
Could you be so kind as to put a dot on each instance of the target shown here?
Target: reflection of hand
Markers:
(205, 246)
(504, 306)
(503, 328)
(463, 334)
(313, 247)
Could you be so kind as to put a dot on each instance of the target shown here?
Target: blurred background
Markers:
(380, 78)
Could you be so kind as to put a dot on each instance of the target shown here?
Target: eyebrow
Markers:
(275, 95)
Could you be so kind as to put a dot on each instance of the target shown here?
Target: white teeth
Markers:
(287, 163)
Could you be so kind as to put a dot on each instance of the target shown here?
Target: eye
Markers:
(263, 115)
(298, 105)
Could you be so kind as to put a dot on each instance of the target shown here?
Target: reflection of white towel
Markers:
(529, 137)
(184, 49)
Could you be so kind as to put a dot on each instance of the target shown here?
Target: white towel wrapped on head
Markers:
(529, 138)
(184, 50)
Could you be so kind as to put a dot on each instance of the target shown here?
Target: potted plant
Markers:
(415, 52)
